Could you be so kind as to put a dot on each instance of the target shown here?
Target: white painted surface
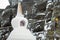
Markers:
(20, 32)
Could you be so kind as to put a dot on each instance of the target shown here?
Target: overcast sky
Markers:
(3, 4)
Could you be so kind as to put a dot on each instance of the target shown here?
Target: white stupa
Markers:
(19, 24)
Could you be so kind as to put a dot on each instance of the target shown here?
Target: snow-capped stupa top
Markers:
(19, 20)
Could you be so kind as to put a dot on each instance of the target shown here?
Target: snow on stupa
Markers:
(19, 24)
